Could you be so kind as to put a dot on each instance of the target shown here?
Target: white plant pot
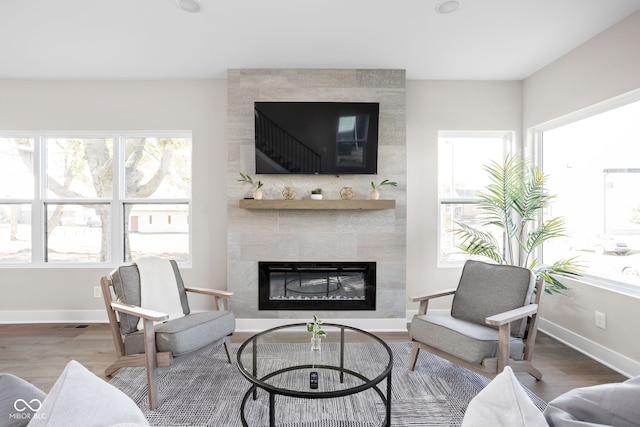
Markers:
(257, 194)
(316, 196)
(374, 195)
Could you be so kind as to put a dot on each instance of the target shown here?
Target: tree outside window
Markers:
(91, 189)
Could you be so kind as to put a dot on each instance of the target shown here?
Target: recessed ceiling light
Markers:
(189, 5)
(448, 6)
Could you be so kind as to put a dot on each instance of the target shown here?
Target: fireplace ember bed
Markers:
(317, 285)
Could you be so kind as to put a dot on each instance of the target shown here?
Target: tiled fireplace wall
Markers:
(316, 235)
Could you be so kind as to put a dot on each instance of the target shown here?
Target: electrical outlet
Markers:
(601, 320)
(97, 292)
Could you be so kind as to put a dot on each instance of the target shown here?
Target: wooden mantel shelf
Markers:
(318, 204)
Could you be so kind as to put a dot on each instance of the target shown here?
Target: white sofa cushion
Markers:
(596, 406)
(503, 403)
(79, 398)
(20, 401)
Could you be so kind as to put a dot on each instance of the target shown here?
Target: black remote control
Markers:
(313, 379)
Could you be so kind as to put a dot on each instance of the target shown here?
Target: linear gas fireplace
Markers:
(317, 286)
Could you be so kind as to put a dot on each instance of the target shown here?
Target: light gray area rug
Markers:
(205, 390)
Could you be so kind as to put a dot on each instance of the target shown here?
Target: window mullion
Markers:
(117, 205)
(38, 210)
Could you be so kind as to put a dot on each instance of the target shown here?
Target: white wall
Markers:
(603, 68)
(66, 294)
(606, 66)
(434, 106)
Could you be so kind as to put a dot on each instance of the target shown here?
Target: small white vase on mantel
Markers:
(374, 195)
(257, 194)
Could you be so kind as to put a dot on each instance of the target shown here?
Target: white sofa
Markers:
(78, 398)
(504, 403)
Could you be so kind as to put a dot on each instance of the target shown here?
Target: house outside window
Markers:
(593, 163)
(462, 156)
(81, 197)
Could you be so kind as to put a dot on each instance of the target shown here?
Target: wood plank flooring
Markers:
(39, 353)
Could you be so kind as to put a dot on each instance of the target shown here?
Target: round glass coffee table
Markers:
(281, 362)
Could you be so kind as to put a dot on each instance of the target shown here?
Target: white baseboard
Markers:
(53, 316)
(242, 325)
(616, 361)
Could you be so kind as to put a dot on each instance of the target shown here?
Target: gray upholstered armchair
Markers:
(492, 321)
(157, 344)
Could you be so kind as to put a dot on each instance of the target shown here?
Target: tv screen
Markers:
(316, 137)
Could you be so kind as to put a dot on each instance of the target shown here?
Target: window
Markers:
(68, 198)
(593, 163)
(462, 156)
(16, 195)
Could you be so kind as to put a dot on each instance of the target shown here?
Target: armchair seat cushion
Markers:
(185, 334)
(466, 340)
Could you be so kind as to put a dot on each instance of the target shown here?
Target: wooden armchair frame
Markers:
(151, 358)
(490, 367)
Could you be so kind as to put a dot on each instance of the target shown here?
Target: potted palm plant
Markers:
(513, 201)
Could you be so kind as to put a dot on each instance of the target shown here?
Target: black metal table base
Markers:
(263, 381)
(386, 400)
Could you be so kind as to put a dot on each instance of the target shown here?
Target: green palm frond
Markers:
(513, 201)
(476, 242)
(570, 267)
(533, 196)
(550, 229)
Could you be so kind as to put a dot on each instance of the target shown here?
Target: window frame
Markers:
(508, 147)
(26, 201)
(536, 139)
(117, 202)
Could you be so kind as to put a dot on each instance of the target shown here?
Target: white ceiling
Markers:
(155, 39)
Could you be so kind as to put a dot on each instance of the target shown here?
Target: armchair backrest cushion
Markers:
(488, 289)
(126, 284)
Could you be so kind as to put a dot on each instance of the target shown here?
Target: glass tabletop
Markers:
(281, 360)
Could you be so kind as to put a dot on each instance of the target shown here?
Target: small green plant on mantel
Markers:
(246, 178)
(316, 194)
(257, 185)
(513, 201)
(315, 327)
(384, 182)
(375, 193)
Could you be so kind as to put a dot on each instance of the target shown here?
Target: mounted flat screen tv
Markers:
(316, 137)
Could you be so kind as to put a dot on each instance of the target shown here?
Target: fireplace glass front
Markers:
(317, 285)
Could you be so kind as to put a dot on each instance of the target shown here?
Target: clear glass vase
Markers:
(316, 343)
